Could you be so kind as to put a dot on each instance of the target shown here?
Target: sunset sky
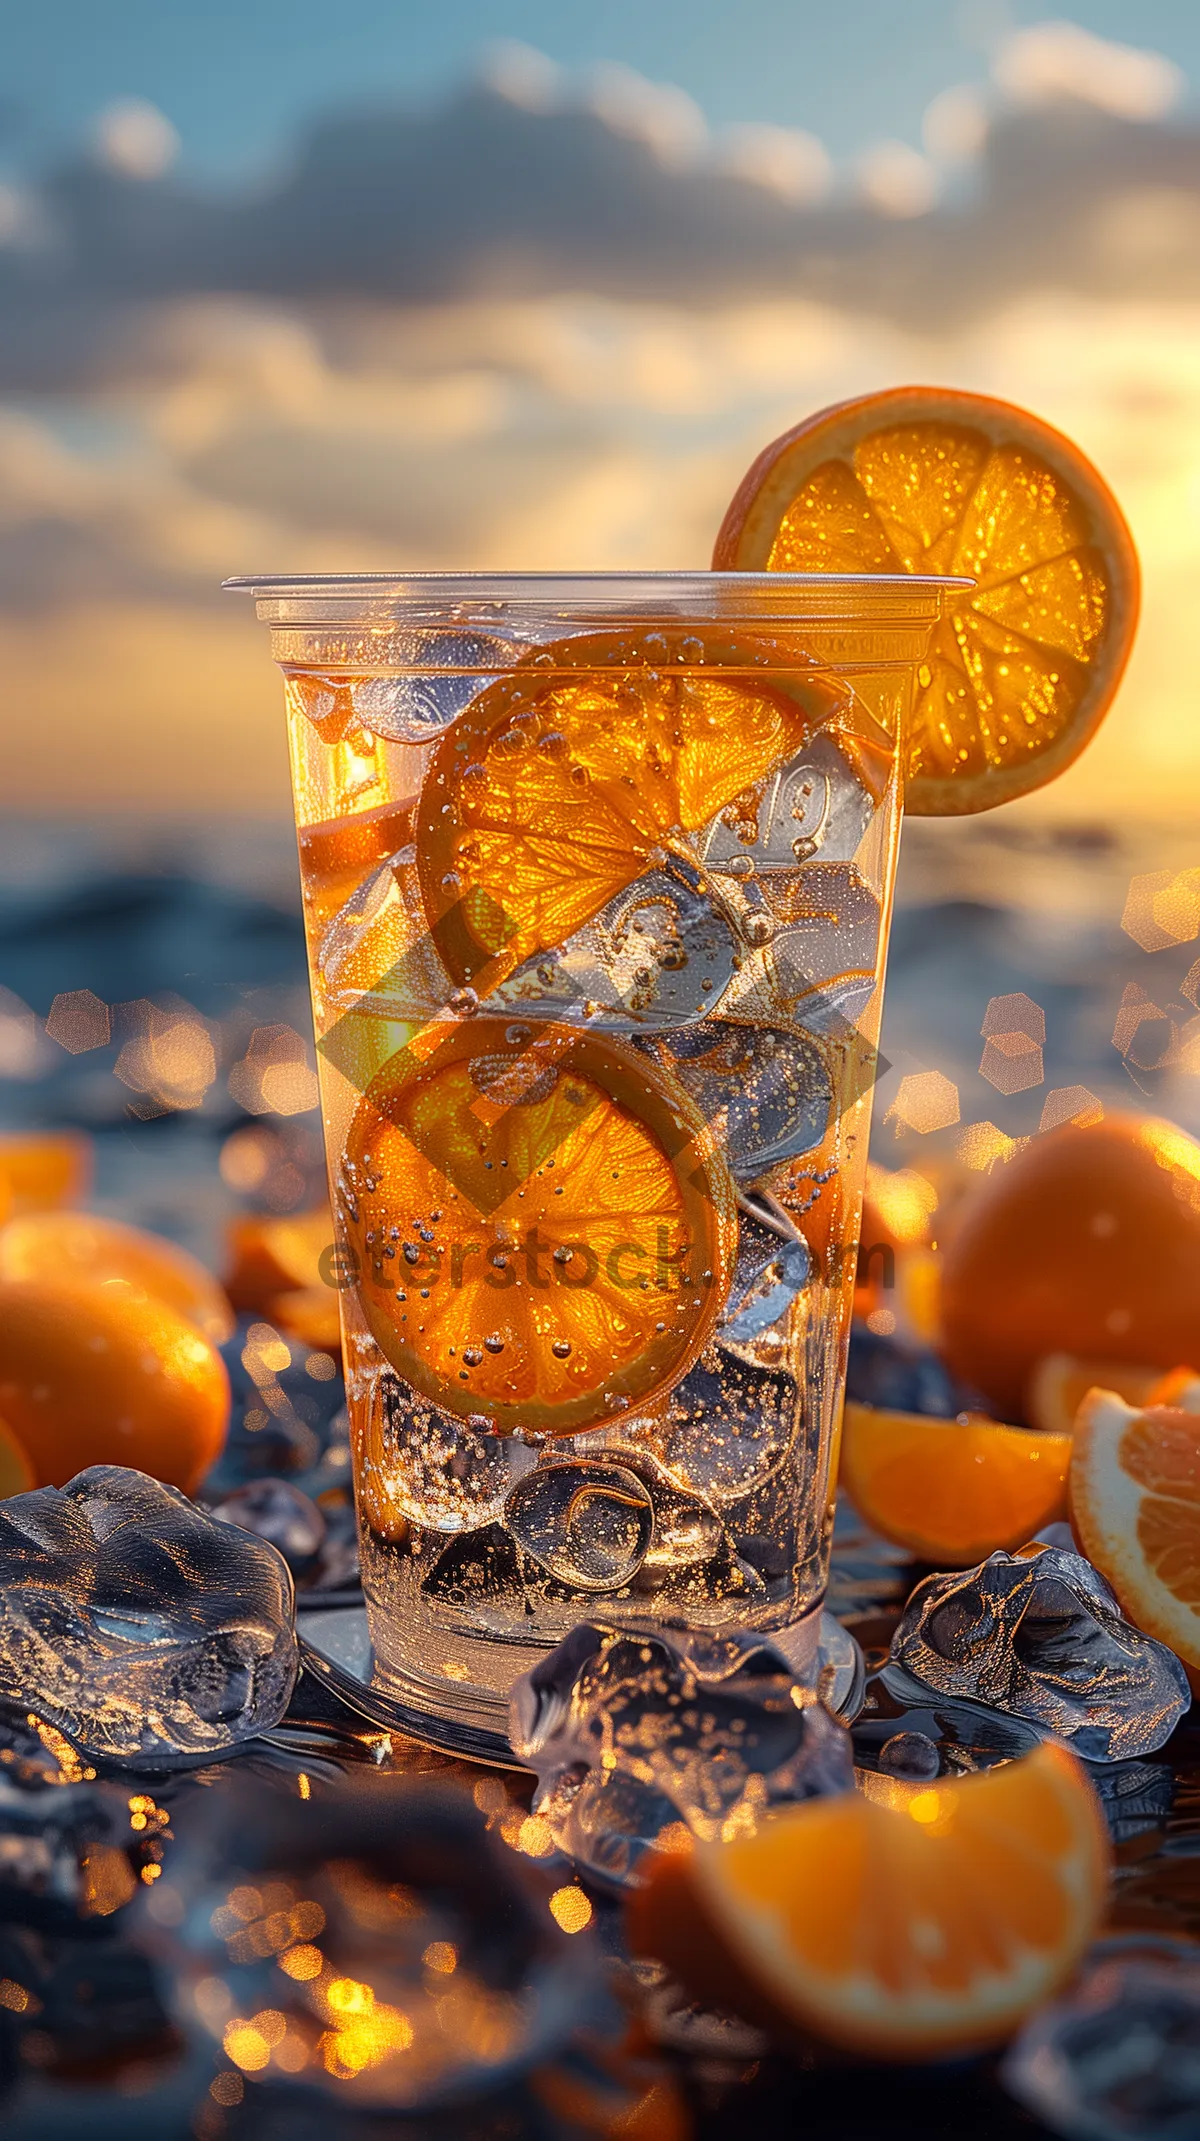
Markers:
(469, 287)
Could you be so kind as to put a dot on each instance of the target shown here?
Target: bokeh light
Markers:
(1070, 1104)
(926, 1101)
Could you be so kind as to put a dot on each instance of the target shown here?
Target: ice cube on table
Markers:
(441, 1976)
(638, 1730)
(1117, 2057)
(147, 1632)
(1041, 1636)
(768, 1095)
(276, 1510)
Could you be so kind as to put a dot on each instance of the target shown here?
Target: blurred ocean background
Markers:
(515, 287)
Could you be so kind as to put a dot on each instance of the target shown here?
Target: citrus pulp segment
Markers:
(898, 1931)
(1135, 1508)
(561, 784)
(1023, 666)
(542, 1226)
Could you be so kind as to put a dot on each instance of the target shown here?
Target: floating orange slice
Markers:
(926, 480)
(543, 1228)
(1060, 1383)
(899, 1931)
(951, 1491)
(561, 783)
(1135, 1509)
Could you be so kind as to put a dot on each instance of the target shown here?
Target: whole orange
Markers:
(83, 1247)
(104, 1375)
(1087, 1242)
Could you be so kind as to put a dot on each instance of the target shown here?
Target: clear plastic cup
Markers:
(597, 879)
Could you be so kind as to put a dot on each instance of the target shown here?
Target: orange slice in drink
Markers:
(1135, 1509)
(951, 1491)
(542, 1227)
(899, 1931)
(560, 784)
(925, 480)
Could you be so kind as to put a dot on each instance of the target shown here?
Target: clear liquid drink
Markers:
(597, 878)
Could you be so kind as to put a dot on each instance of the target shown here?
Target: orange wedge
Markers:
(926, 480)
(1180, 1388)
(899, 1931)
(542, 1226)
(951, 1491)
(1060, 1383)
(562, 783)
(1135, 1509)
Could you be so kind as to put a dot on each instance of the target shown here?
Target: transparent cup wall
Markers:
(760, 965)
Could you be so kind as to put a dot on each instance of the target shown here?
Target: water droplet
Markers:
(464, 1002)
(495, 1344)
(758, 929)
(451, 881)
(518, 1036)
(561, 1348)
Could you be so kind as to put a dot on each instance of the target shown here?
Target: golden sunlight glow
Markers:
(904, 1200)
(570, 1909)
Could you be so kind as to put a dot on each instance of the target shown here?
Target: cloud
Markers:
(525, 183)
(548, 325)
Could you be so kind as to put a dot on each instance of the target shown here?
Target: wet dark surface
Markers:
(107, 2045)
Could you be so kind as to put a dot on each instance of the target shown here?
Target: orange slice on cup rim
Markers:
(542, 1227)
(951, 1491)
(899, 1931)
(1135, 1510)
(1023, 666)
(563, 782)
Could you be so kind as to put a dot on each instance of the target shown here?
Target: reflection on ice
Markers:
(422, 1467)
(768, 1095)
(1041, 1635)
(814, 804)
(770, 1274)
(636, 1732)
(658, 955)
(589, 1523)
(150, 1634)
(1117, 2058)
